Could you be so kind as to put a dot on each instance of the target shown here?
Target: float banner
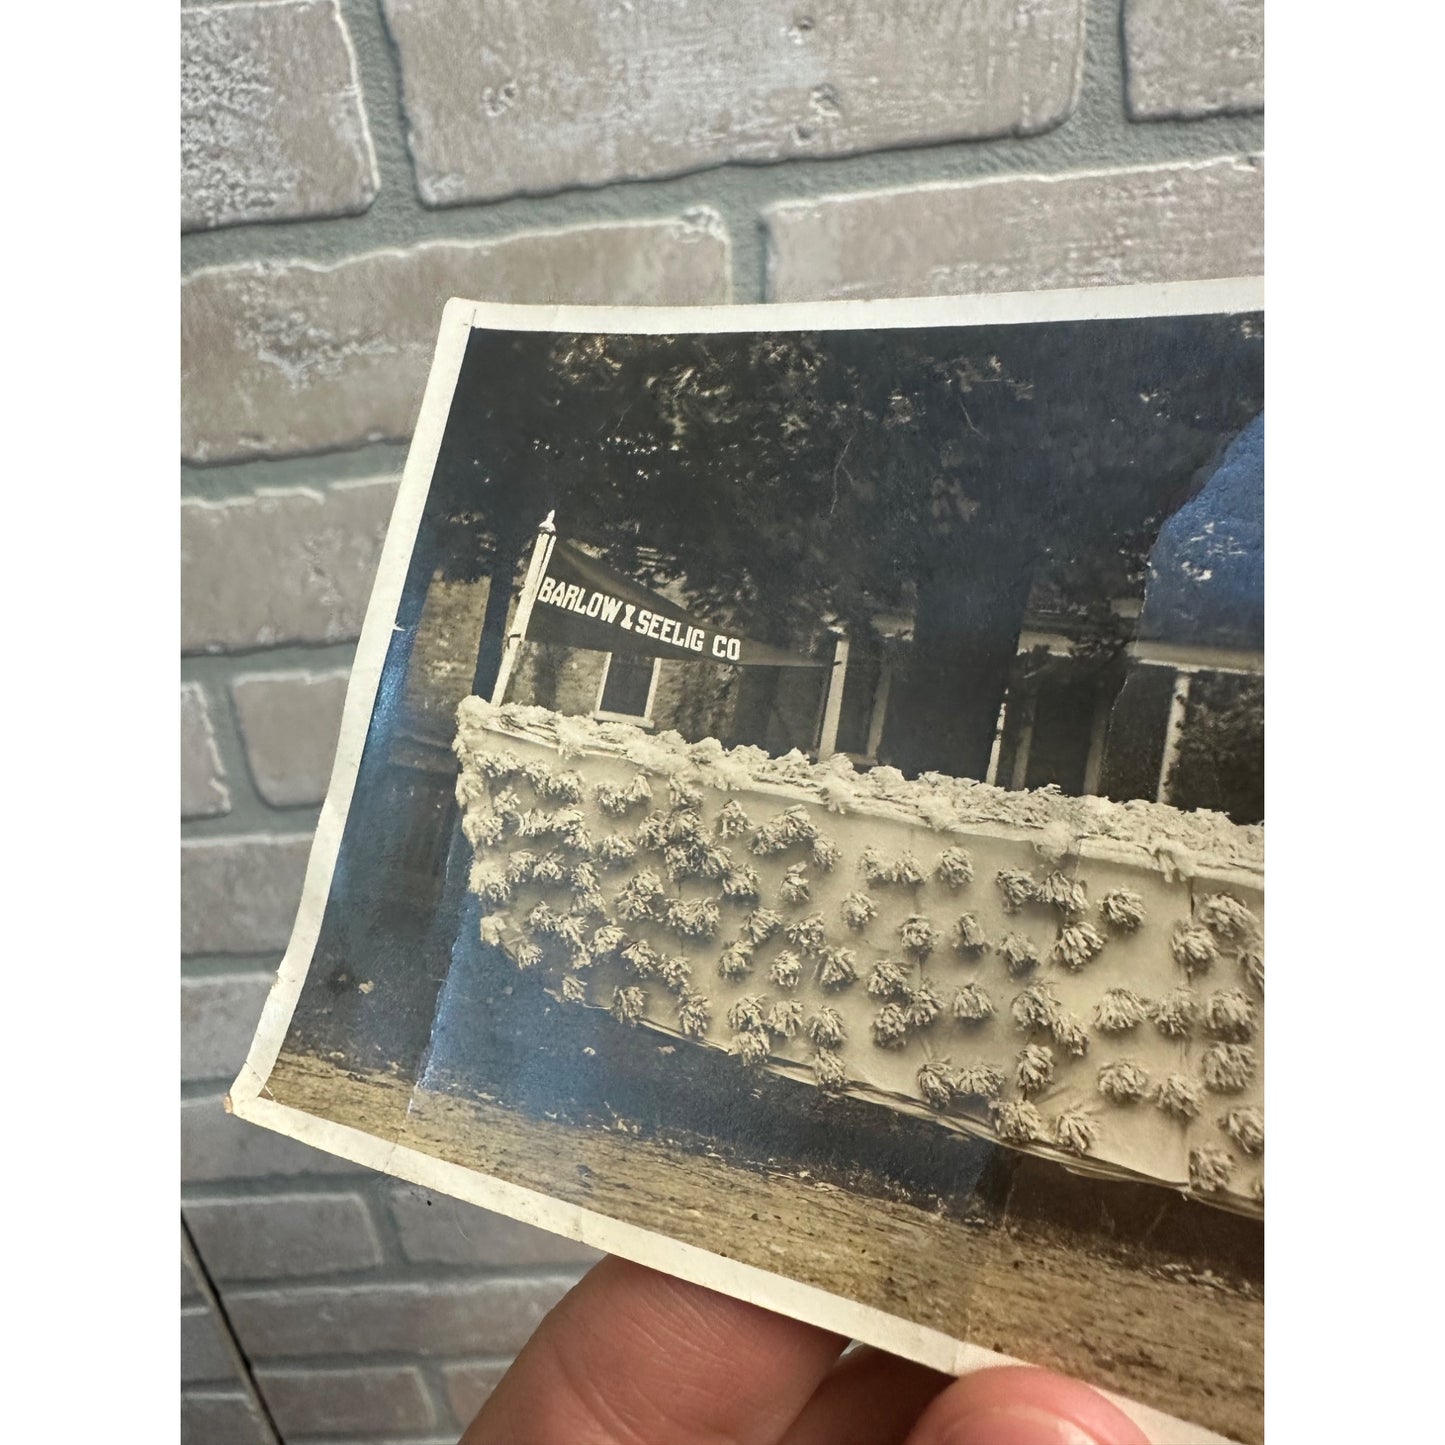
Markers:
(582, 603)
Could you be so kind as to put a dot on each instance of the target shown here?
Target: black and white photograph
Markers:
(799, 819)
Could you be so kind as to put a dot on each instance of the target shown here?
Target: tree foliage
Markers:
(788, 480)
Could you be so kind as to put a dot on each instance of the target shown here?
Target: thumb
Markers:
(1019, 1405)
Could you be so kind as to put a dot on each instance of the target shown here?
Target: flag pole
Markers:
(833, 706)
(531, 585)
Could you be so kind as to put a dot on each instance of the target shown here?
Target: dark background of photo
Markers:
(787, 481)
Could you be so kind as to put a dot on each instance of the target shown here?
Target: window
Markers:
(627, 686)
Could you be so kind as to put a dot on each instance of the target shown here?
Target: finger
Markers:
(632, 1357)
(1019, 1405)
(870, 1398)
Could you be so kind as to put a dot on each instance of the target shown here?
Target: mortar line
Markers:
(239, 1359)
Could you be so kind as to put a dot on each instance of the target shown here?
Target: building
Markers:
(1082, 717)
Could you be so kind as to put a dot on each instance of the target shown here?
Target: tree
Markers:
(787, 480)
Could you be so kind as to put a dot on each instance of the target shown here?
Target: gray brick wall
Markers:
(289, 723)
(337, 186)
(272, 120)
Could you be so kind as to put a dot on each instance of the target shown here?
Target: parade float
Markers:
(1079, 979)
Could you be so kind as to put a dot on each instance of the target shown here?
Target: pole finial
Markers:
(548, 522)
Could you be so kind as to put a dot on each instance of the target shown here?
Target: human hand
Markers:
(633, 1357)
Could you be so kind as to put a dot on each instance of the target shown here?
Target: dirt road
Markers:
(1179, 1338)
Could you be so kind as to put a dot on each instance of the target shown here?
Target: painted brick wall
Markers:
(338, 184)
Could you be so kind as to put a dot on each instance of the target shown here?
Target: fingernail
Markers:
(1015, 1425)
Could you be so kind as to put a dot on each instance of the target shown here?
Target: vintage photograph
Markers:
(802, 797)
